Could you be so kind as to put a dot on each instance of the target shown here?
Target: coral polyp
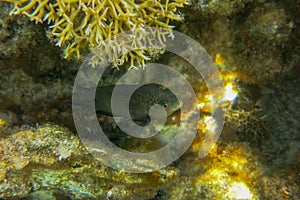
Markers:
(78, 24)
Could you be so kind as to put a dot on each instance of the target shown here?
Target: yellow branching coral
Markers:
(86, 23)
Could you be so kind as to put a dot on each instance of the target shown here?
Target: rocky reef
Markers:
(256, 47)
(83, 25)
(258, 38)
(50, 157)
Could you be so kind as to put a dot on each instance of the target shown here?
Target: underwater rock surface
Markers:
(257, 155)
(50, 157)
(257, 38)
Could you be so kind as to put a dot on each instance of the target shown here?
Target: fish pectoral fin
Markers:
(142, 122)
(99, 113)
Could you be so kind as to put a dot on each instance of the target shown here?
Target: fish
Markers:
(140, 102)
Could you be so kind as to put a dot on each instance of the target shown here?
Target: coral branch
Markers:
(75, 24)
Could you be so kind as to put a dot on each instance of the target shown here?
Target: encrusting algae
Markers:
(85, 24)
(51, 157)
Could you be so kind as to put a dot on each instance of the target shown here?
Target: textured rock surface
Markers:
(51, 157)
(259, 145)
(257, 38)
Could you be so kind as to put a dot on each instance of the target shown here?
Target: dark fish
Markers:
(140, 102)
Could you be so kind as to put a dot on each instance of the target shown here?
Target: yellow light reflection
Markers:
(230, 93)
(239, 191)
(211, 124)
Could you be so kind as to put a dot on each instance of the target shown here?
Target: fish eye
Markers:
(164, 104)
